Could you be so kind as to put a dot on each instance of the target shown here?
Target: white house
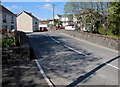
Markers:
(27, 22)
(51, 22)
(64, 19)
(57, 17)
(8, 18)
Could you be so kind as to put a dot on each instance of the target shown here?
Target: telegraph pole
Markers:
(53, 12)
(0, 2)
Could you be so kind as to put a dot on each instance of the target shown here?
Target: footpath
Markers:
(19, 68)
(22, 75)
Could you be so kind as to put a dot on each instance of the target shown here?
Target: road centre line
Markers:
(88, 42)
(69, 47)
(82, 53)
(43, 74)
(74, 50)
(86, 55)
(55, 40)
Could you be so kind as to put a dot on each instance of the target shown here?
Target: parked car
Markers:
(59, 27)
(43, 29)
(69, 27)
(85, 29)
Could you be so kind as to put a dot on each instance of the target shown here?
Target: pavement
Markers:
(24, 74)
(64, 60)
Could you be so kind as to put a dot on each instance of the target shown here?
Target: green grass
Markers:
(114, 36)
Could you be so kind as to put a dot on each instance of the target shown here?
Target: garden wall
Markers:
(22, 52)
(113, 43)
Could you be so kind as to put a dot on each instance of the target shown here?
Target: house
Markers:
(64, 19)
(77, 19)
(27, 22)
(8, 18)
(51, 22)
(82, 19)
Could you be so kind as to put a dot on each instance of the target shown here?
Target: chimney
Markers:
(31, 13)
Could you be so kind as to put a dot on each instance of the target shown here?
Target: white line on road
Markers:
(85, 41)
(55, 40)
(75, 50)
(82, 53)
(112, 66)
(44, 75)
(69, 47)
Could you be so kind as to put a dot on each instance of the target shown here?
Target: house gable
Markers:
(24, 22)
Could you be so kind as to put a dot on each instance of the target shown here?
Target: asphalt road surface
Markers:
(65, 60)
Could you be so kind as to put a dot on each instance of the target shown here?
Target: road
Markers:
(65, 60)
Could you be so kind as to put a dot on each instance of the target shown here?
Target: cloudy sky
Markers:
(42, 10)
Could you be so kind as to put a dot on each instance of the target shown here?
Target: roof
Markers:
(59, 15)
(6, 10)
(30, 14)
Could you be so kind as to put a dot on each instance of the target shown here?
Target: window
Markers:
(35, 22)
(5, 27)
(12, 27)
(12, 20)
(4, 19)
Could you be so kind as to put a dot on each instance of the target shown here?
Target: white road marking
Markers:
(82, 53)
(75, 50)
(44, 75)
(112, 66)
(89, 42)
(55, 40)
(69, 47)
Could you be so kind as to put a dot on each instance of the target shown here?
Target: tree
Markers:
(93, 8)
(114, 12)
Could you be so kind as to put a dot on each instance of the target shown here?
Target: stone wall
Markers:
(16, 54)
(21, 38)
(22, 52)
(112, 43)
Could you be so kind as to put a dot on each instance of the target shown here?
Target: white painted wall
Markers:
(64, 19)
(57, 17)
(0, 17)
(24, 23)
(8, 21)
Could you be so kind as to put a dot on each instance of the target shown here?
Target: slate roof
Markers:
(6, 10)
(30, 14)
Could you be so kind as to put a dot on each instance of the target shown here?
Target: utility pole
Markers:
(0, 2)
(53, 12)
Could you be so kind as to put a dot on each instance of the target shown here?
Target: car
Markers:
(69, 27)
(43, 29)
(59, 27)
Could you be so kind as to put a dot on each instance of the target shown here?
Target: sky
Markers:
(42, 10)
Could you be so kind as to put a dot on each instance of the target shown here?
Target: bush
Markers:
(8, 42)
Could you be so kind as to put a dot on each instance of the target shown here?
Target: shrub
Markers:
(8, 42)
